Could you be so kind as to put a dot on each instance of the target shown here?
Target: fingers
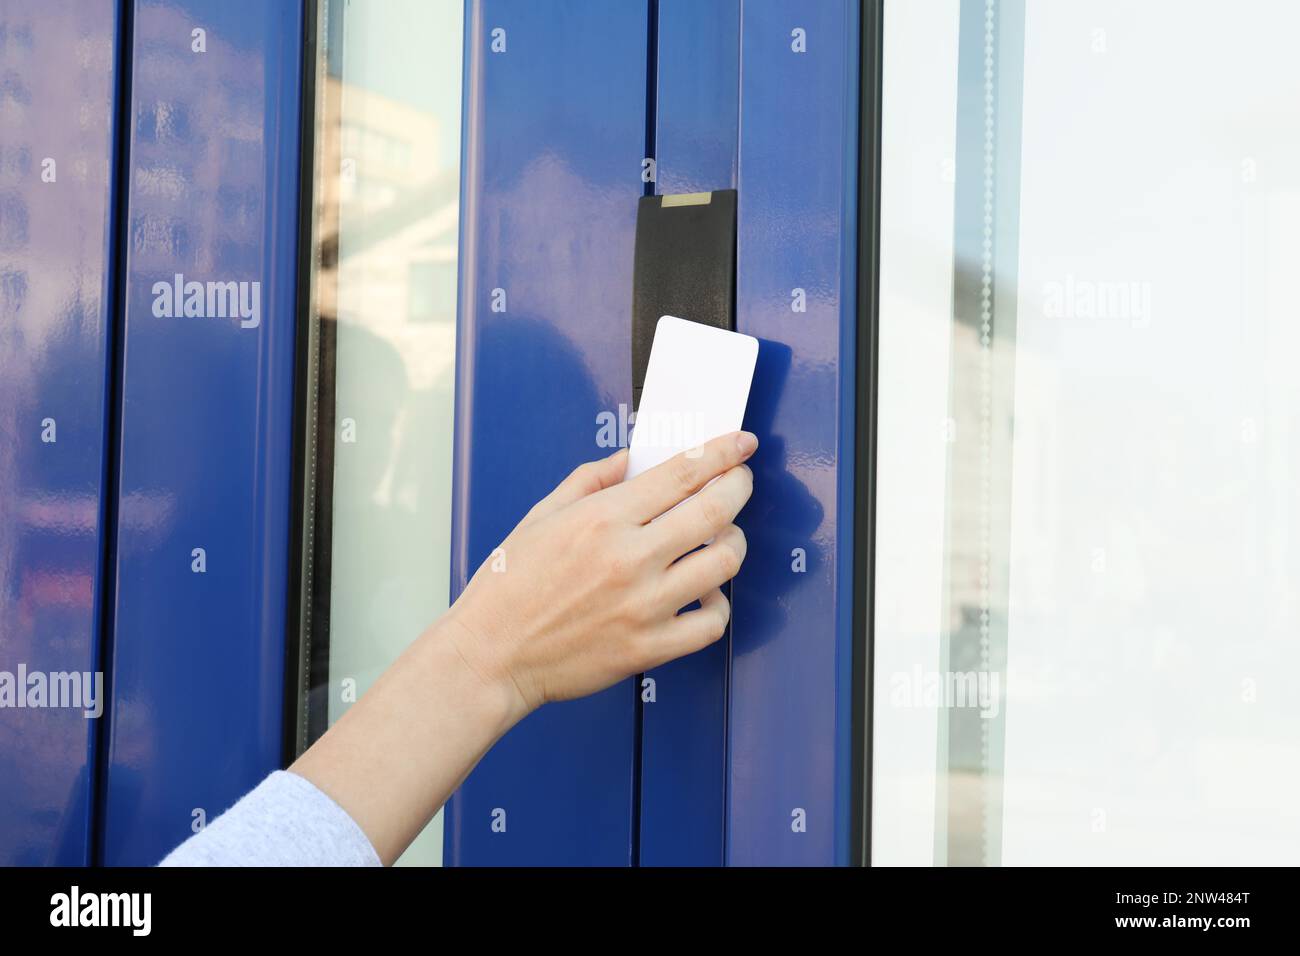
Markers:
(704, 570)
(659, 489)
(704, 516)
(691, 631)
(586, 479)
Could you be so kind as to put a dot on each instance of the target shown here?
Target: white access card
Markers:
(696, 387)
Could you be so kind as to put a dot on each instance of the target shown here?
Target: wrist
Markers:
(412, 738)
(489, 675)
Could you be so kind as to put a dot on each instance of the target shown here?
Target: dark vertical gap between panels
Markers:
(318, 601)
(318, 260)
(110, 479)
(297, 644)
(652, 88)
(651, 118)
(864, 531)
(730, 587)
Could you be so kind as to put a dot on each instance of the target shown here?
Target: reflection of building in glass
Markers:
(388, 226)
(978, 567)
(981, 396)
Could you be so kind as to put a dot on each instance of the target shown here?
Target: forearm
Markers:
(396, 756)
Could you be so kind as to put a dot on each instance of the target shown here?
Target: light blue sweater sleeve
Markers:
(283, 821)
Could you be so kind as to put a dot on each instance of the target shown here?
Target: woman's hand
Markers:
(586, 590)
(583, 593)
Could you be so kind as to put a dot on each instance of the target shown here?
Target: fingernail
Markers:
(746, 442)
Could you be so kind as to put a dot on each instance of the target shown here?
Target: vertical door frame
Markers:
(870, 59)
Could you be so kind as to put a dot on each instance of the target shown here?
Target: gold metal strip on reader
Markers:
(688, 199)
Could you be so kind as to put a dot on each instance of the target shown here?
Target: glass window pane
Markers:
(1085, 609)
(386, 191)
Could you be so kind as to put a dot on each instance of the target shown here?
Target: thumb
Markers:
(586, 479)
